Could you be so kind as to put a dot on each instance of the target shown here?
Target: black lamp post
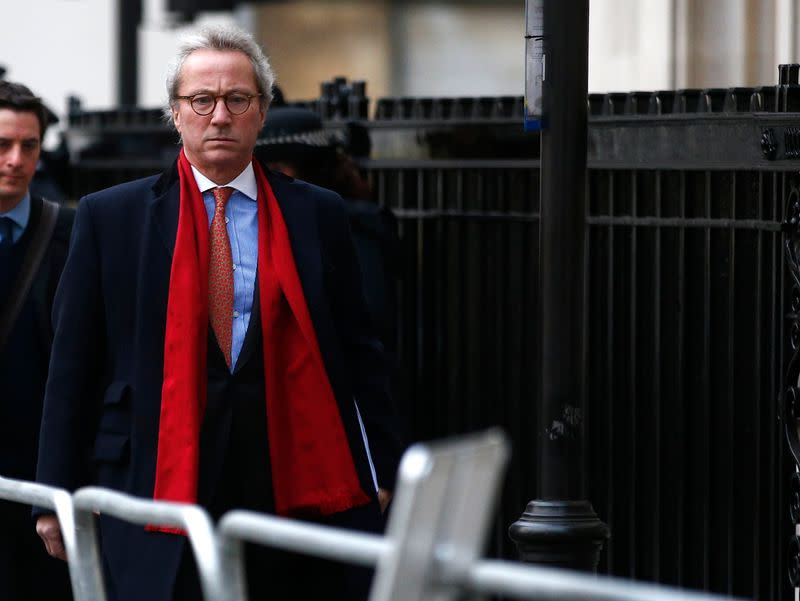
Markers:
(560, 528)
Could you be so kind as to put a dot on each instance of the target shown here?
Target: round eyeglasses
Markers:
(204, 104)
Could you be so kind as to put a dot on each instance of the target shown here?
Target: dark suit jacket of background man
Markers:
(23, 371)
(103, 396)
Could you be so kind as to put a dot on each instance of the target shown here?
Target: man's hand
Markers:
(50, 532)
(384, 496)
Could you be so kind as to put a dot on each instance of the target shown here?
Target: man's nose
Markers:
(13, 156)
(220, 114)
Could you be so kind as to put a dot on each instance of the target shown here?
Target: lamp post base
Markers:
(562, 534)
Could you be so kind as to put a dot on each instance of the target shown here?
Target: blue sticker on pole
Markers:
(534, 64)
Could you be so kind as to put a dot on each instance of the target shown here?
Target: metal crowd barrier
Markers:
(431, 551)
(60, 502)
(194, 521)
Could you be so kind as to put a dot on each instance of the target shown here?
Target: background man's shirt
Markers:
(19, 215)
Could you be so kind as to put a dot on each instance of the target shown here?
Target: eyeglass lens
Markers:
(204, 104)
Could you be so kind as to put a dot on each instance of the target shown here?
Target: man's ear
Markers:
(176, 120)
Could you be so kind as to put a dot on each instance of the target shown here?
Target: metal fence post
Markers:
(238, 526)
(190, 518)
(128, 21)
(60, 501)
(561, 527)
(437, 529)
(440, 517)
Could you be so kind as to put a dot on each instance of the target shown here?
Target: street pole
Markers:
(560, 527)
(129, 17)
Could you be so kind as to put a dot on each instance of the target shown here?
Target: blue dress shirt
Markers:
(19, 215)
(241, 217)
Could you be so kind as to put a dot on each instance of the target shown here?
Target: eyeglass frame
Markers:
(216, 99)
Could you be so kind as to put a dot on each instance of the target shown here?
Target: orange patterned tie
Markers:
(220, 275)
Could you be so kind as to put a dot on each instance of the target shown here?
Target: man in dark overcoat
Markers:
(213, 346)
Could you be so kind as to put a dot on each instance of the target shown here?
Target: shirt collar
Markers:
(245, 182)
(21, 213)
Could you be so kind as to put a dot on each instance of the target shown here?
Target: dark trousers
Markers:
(235, 474)
(274, 574)
(27, 572)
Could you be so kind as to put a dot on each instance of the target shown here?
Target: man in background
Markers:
(295, 142)
(34, 236)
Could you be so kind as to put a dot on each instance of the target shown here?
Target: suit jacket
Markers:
(17, 413)
(102, 404)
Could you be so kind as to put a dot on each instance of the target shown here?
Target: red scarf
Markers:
(312, 467)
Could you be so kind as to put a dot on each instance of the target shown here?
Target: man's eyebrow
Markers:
(236, 90)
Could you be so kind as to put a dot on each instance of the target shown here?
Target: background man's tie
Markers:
(5, 231)
(220, 275)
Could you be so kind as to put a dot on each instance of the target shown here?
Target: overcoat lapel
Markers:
(165, 206)
(301, 222)
(305, 236)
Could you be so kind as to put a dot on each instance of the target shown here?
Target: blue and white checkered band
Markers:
(318, 138)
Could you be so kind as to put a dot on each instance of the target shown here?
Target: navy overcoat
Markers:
(102, 403)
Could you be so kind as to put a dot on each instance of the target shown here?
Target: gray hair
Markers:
(220, 37)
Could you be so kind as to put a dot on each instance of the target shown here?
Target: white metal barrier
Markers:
(194, 521)
(431, 551)
(60, 502)
(437, 527)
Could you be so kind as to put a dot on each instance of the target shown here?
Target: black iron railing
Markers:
(685, 310)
